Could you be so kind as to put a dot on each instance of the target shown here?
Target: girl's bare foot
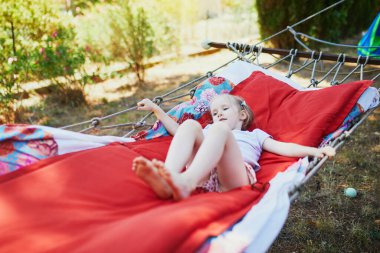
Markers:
(146, 170)
(180, 189)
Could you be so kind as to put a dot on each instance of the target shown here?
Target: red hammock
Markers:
(90, 201)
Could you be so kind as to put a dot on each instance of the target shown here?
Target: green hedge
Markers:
(344, 20)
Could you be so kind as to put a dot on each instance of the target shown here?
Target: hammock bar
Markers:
(300, 54)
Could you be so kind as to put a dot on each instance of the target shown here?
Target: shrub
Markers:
(96, 29)
(34, 44)
(134, 35)
(60, 59)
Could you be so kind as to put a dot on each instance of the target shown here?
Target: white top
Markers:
(250, 143)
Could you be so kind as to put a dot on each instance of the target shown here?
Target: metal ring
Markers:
(158, 100)
(95, 122)
(344, 58)
(192, 92)
(312, 55)
(259, 50)
(139, 124)
(244, 48)
(366, 60)
(320, 55)
(358, 61)
(251, 49)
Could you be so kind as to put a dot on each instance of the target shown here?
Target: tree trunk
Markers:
(13, 38)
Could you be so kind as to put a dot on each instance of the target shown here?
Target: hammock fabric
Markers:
(90, 201)
(371, 39)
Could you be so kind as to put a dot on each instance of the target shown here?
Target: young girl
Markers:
(218, 158)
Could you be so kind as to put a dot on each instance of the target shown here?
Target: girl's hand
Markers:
(146, 105)
(169, 123)
(327, 150)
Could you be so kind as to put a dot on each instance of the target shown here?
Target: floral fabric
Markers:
(195, 108)
(347, 123)
(22, 145)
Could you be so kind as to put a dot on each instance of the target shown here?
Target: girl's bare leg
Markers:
(219, 149)
(147, 171)
(182, 150)
(184, 145)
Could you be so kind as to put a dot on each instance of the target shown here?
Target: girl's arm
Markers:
(296, 150)
(147, 105)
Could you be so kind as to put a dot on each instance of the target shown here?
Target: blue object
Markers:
(350, 192)
(371, 39)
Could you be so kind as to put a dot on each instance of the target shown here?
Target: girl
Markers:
(218, 158)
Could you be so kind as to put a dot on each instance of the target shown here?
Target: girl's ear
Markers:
(243, 115)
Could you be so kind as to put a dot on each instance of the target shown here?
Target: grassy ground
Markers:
(322, 219)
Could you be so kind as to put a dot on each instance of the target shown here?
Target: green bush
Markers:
(34, 45)
(344, 20)
(58, 55)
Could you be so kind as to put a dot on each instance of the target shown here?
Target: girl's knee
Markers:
(219, 128)
(191, 125)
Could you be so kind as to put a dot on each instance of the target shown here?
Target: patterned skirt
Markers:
(212, 184)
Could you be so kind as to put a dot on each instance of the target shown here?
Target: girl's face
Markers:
(223, 109)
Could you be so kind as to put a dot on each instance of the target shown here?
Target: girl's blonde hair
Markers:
(242, 106)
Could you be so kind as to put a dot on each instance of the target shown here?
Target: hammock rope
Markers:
(296, 34)
(300, 22)
(95, 123)
(293, 54)
(304, 65)
(359, 65)
(243, 50)
(316, 70)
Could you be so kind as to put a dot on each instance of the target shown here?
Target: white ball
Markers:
(205, 44)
